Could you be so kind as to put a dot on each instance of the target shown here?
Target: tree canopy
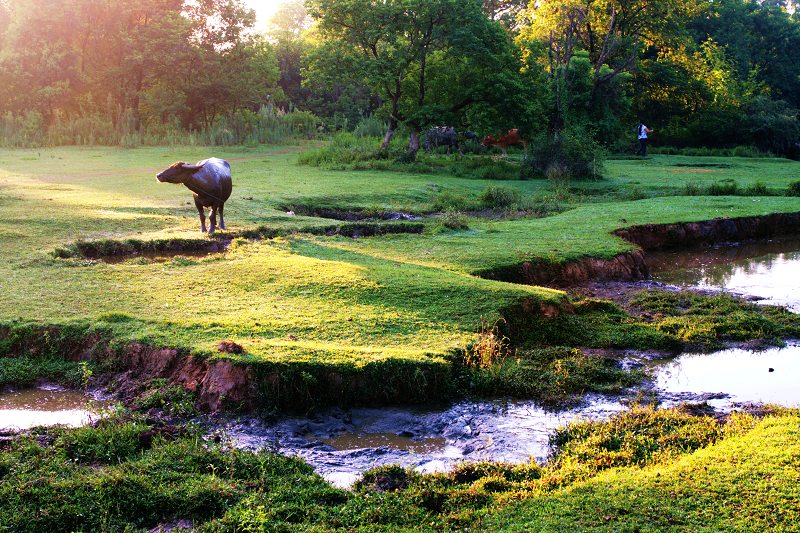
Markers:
(690, 67)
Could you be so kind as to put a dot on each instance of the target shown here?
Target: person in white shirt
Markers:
(643, 131)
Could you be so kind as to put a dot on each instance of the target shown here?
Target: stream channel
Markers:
(342, 444)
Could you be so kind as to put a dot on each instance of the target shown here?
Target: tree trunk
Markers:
(413, 142)
(389, 133)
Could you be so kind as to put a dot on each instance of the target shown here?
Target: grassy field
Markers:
(319, 302)
(303, 298)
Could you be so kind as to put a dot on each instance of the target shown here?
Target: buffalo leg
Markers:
(221, 218)
(202, 213)
(213, 218)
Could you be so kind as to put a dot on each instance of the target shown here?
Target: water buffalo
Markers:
(441, 136)
(448, 136)
(211, 185)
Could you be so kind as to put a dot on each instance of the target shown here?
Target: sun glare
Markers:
(264, 11)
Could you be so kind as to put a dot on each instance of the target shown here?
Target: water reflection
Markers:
(767, 270)
(45, 406)
(770, 376)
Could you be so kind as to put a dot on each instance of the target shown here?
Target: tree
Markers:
(613, 34)
(401, 48)
(286, 31)
(504, 11)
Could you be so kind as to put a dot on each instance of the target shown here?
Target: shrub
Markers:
(490, 348)
(757, 189)
(370, 127)
(452, 219)
(572, 154)
(498, 197)
(793, 189)
(726, 187)
(449, 200)
(692, 189)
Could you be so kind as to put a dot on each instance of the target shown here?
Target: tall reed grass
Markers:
(267, 126)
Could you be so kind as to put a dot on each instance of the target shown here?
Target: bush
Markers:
(757, 189)
(723, 188)
(704, 151)
(793, 189)
(452, 219)
(692, 189)
(572, 154)
(370, 127)
(345, 149)
(498, 197)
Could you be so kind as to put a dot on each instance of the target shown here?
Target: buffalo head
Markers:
(177, 172)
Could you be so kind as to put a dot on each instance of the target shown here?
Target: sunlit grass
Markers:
(304, 297)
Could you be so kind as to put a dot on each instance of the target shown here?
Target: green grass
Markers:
(644, 470)
(743, 483)
(326, 300)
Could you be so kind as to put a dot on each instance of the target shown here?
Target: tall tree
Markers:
(400, 48)
(612, 33)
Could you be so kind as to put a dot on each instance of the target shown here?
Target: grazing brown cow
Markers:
(209, 180)
(511, 138)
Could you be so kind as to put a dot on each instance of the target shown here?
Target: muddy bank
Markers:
(627, 266)
(632, 266)
(350, 215)
(115, 251)
(224, 383)
(688, 234)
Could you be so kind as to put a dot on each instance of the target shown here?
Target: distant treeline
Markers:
(130, 72)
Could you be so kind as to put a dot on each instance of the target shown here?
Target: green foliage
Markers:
(494, 197)
(453, 201)
(793, 189)
(125, 474)
(708, 151)
(168, 398)
(26, 371)
(705, 322)
(454, 219)
(725, 187)
(570, 155)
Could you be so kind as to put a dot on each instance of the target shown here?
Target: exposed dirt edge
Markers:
(626, 266)
(687, 234)
(632, 266)
(112, 248)
(223, 383)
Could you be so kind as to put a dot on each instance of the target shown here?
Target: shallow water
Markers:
(44, 406)
(343, 444)
(768, 271)
(768, 376)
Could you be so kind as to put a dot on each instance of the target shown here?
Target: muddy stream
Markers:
(342, 444)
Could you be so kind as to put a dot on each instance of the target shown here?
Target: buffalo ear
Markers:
(187, 166)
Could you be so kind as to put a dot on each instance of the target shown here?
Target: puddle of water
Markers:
(45, 406)
(742, 375)
(767, 270)
(341, 445)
